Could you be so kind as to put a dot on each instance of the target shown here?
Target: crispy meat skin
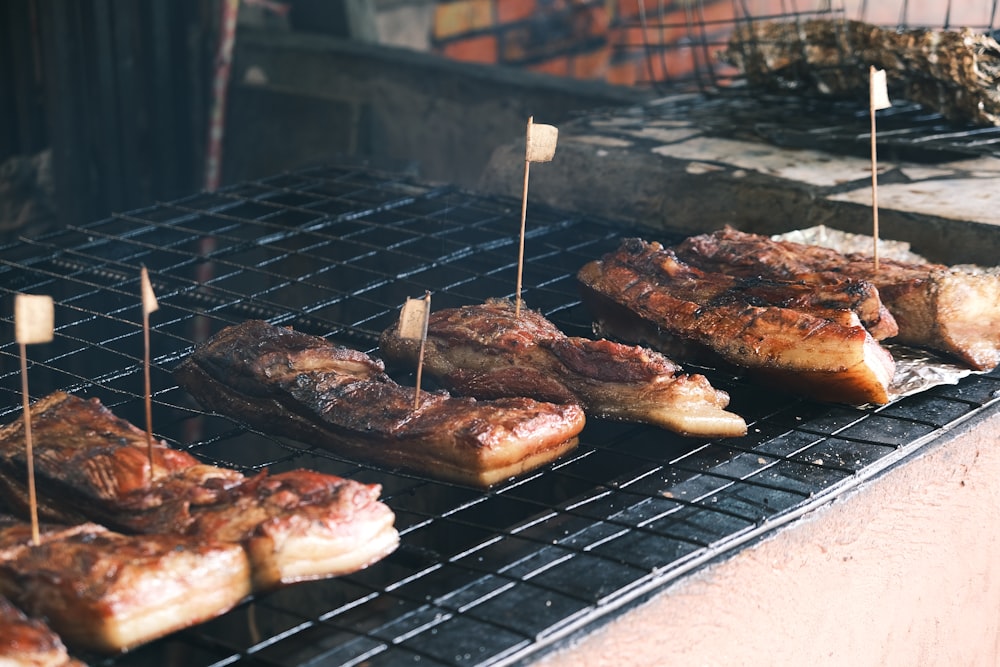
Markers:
(90, 464)
(302, 386)
(29, 642)
(643, 292)
(109, 592)
(954, 312)
(487, 351)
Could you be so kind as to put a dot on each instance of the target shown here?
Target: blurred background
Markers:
(110, 105)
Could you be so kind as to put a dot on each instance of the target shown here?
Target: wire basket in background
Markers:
(796, 74)
(682, 41)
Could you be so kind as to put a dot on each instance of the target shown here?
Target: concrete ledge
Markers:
(901, 571)
(645, 170)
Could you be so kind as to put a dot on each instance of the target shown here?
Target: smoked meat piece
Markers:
(487, 351)
(289, 383)
(29, 642)
(92, 465)
(108, 592)
(641, 292)
(952, 311)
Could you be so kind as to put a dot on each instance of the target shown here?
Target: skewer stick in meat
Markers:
(149, 305)
(878, 98)
(294, 525)
(413, 326)
(34, 320)
(539, 146)
(293, 384)
(489, 351)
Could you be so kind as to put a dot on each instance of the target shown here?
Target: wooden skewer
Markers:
(33, 323)
(149, 304)
(413, 319)
(524, 217)
(878, 99)
(539, 146)
(28, 447)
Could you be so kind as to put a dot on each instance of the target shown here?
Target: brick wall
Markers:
(608, 40)
(588, 39)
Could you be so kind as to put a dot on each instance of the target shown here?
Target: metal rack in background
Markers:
(481, 577)
(681, 43)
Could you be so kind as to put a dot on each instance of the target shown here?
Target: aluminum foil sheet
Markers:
(916, 370)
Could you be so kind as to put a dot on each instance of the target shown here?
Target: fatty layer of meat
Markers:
(952, 311)
(29, 642)
(92, 465)
(642, 292)
(292, 384)
(108, 592)
(489, 351)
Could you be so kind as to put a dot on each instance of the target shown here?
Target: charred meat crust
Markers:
(490, 350)
(93, 465)
(29, 642)
(825, 354)
(293, 384)
(108, 592)
(947, 310)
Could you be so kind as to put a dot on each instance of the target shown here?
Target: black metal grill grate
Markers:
(682, 43)
(481, 578)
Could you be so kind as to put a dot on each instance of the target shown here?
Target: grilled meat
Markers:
(951, 311)
(290, 383)
(29, 642)
(487, 351)
(109, 592)
(92, 465)
(642, 292)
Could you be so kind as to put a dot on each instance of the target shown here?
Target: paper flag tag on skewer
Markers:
(541, 142)
(413, 318)
(879, 92)
(34, 318)
(149, 303)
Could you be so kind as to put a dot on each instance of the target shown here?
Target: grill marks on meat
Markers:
(92, 465)
(643, 292)
(305, 387)
(487, 351)
(109, 592)
(29, 642)
(950, 311)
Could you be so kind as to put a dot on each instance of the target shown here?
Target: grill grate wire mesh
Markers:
(482, 577)
(681, 44)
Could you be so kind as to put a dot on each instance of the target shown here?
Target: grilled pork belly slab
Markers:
(293, 384)
(642, 292)
(108, 592)
(948, 310)
(93, 465)
(29, 642)
(488, 351)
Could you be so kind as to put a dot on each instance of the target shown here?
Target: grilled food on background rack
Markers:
(488, 351)
(293, 384)
(108, 592)
(92, 465)
(29, 642)
(949, 310)
(953, 72)
(780, 331)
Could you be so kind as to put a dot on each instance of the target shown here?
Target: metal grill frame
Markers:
(481, 577)
(681, 46)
